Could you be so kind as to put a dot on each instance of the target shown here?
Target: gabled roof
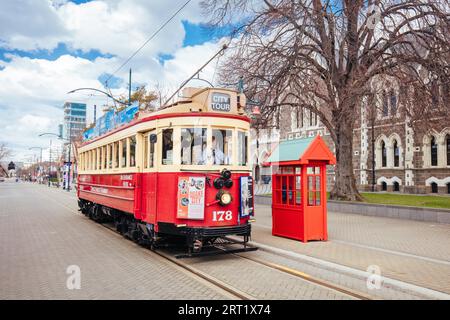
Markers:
(301, 151)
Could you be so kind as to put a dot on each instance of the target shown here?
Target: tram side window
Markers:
(242, 148)
(94, 160)
(97, 159)
(123, 153)
(132, 151)
(149, 152)
(193, 146)
(110, 156)
(167, 146)
(89, 153)
(116, 154)
(103, 160)
(221, 150)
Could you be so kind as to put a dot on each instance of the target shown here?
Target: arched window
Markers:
(396, 154)
(383, 154)
(385, 105)
(393, 101)
(434, 187)
(383, 186)
(257, 173)
(396, 186)
(434, 152)
(447, 140)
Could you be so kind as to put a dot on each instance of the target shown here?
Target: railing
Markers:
(263, 189)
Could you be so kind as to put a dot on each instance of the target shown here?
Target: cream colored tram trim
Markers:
(158, 125)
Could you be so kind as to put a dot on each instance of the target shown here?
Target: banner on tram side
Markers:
(246, 197)
(111, 120)
(191, 198)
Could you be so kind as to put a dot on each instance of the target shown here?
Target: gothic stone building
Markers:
(405, 160)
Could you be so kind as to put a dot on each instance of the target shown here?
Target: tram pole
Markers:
(224, 47)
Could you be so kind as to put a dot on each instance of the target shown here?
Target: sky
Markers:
(50, 47)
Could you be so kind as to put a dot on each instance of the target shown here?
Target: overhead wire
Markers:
(147, 41)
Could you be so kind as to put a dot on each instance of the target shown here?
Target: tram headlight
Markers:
(229, 183)
(224, 197)
(226, 174)
(218, 183)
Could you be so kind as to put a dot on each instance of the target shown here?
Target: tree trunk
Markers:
(345, 185)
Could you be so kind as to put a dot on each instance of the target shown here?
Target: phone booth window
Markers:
(314, 186)
(287, 186)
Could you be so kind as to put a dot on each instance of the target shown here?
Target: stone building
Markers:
(405, 160)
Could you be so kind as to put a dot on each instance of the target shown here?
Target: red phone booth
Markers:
(299, 198)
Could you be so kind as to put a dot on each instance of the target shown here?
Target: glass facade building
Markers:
(74, 120)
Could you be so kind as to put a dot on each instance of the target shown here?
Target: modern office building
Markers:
(74, 120)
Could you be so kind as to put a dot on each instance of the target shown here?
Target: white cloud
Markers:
(117, 27)
(32, 91)
(30, 24)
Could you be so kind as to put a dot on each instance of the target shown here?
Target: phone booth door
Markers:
(315, 204)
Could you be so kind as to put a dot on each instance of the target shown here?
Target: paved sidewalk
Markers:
(409, 251)
(41, 237)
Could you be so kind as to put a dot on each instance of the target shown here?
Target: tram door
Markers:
(149, 177)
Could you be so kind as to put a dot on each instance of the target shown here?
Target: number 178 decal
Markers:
(222, 215)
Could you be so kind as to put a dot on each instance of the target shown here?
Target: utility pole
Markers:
(129, 90)
(50, 161)
(70, 160)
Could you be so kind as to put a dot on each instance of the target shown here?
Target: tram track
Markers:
(308, 278)
(240, 295)
(234, 292)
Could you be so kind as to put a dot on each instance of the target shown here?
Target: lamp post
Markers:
(70, 148)
(40, 161)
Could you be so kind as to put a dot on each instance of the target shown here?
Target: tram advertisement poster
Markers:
(246, 191)
(191, 198)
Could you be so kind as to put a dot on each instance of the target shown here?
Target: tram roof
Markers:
(218, 102)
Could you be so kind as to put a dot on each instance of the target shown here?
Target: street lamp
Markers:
(70, 149)
(40, 162)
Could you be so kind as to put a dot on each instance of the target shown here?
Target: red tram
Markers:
(182, 171)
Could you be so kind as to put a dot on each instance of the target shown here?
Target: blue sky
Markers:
(48, 48)
(195, 34)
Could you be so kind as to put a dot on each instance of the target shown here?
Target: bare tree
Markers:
(4, 151)
(325, 56)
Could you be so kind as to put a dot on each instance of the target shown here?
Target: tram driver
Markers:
(216, 153)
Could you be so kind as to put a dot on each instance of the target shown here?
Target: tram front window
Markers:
(193, 146)
(242, 148)
(221, 149)
(167, 146)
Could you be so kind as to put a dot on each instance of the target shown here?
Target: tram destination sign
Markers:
(221, 102)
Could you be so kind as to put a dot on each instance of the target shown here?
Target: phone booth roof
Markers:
(300, 152)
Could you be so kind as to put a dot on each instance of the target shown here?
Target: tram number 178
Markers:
(222, 215)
